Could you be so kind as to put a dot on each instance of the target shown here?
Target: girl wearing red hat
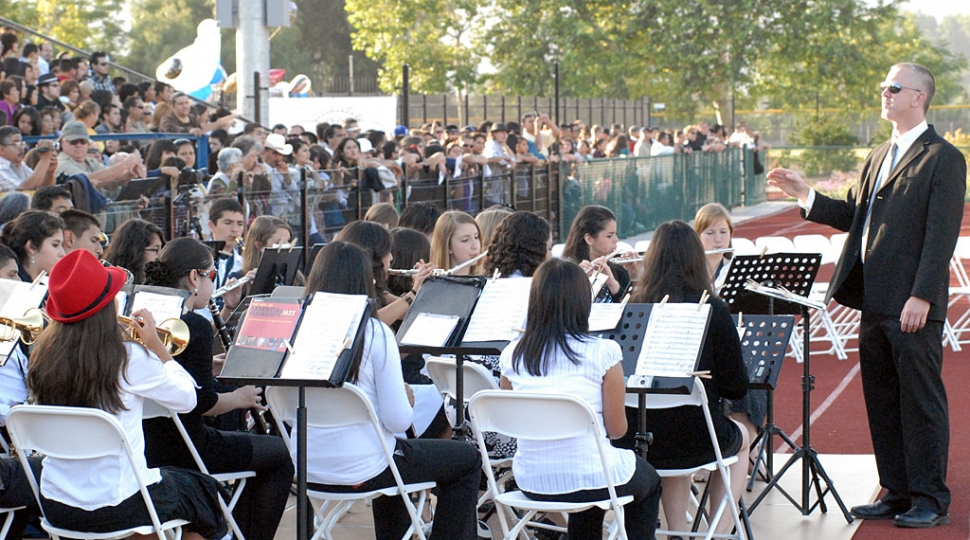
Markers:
(82, 360)
(186, 263)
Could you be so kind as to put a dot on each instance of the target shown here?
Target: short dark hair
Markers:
(8, 131)
(132, 101)
(30, 49)
(66, 64)
(96, 55)
(160, 86)
(221, 206)
(78, 221)
(420, 216)
(45, 196)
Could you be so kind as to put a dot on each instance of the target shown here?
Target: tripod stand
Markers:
(813, 474)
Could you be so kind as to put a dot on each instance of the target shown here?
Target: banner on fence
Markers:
(371, 112)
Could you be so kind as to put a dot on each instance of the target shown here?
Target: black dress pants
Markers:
(907, 409)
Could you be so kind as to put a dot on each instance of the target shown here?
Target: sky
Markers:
(937, 8)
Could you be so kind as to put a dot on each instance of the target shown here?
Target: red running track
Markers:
(841, 427)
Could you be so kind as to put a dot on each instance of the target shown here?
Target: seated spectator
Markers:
(185, 150)
(12, 205)
(161, 110)
(164, 93)
(54, 199)
(74, 159)
(9, 99)
(71, 91)
(110, 120)
(14, 173)
(135, 121)
(50, 91)
(99, 72)
(181, 119)
(230, 161)
(27, 120)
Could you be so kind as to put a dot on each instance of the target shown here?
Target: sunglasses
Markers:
(895, 88)
(78, 142)
(211, 274)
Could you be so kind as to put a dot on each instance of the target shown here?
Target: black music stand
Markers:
(764, 345)
(793, 271)
(278, 266)
(629, 334)
(450, 295)
(813, 473)
(302, 532)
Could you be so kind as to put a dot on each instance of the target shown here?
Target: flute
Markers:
(437, 271)
(226, 288)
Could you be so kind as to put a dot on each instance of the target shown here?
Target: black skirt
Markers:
(180, 494)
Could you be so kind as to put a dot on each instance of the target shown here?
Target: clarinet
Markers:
(220, 325)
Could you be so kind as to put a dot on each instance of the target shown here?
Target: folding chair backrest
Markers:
(557, 250)
(815, 243)
(476, 377)
(642, 245)
(775, 244)
(326, 407)
(72, 433)
(743, 246)
(537, 417)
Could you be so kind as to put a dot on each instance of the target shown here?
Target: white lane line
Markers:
(782, 448)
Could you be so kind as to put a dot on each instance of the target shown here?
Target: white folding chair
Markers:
(557, 250)
(475, 378)
(8, 514)
(743, 246)
(236, 481)
(340, 407)
(541, 417)
(959, 295)
(775, 244)
(77, 434)
(642, 246)
(698, 398)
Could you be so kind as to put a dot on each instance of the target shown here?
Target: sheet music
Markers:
(161, 306)
(328, 322)
(430, 330)
(604, 317)
(121, 300)
(672, 342)
(17, 297)
(501, 308)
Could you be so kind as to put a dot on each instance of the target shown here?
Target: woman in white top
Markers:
(81, 360)
(350, 459)
(556, 354)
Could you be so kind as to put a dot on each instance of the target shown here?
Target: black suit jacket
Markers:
(915, 223)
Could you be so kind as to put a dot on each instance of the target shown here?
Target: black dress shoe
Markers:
(920, 518)
(879, 510)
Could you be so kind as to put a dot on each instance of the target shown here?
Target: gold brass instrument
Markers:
(26, 328)
(174, 333)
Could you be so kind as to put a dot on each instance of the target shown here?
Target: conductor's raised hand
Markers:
(790, 182)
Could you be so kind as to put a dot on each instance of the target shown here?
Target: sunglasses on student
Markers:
(895, 88)
(211, 274)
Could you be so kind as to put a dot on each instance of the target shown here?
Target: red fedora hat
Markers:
(80, 286)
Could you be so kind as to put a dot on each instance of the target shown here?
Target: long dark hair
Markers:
(341, 268)
(519, 244)
(33, 227)
(674, 265)
(376, 240)
(408, 247)
(128, 244)
(176, 261)
(77, 364)
(559, 304)
(590, 220)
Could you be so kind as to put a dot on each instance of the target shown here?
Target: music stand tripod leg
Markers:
(459, 426)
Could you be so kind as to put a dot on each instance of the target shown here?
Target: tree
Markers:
(433, 36)
(86, 24)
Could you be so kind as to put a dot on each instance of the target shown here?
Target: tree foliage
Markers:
(89, 24)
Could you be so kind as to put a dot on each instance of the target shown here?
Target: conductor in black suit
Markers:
(903, 220)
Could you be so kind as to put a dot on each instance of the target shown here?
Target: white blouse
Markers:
(568, 465)
(350, 455)
(96, 483)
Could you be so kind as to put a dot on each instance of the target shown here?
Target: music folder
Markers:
(260, 343)
(278, 266)
(446, 297)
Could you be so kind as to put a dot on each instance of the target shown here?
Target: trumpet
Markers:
(26, 328)
(174, 333)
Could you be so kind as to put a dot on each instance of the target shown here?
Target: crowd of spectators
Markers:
(71, 98)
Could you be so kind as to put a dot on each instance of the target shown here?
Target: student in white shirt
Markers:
(350, 459)
(557, 355)
(101, 495)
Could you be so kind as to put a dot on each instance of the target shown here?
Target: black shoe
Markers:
(878, 510)
(920, 518)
